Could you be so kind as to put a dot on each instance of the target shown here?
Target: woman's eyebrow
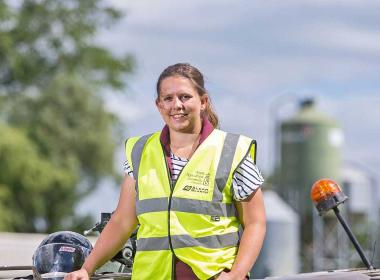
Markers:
(163, 94)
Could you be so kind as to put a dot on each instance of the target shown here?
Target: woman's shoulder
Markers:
(134, 139)
(143, 135)
(225, 133)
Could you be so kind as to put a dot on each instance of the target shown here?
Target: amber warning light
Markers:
(326, 194)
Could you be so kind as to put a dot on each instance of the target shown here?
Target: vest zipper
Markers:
(172, 186)
(169, 206)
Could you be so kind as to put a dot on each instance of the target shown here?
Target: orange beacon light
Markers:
(326, 195)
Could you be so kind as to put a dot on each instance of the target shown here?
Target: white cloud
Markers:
(253, 51)
(252, 54)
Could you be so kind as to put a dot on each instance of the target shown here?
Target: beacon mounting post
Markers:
(326, 195)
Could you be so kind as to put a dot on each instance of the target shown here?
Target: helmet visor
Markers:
(59, 257)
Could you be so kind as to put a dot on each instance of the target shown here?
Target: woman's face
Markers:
(180, 104)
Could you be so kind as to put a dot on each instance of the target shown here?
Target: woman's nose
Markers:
(177, 103)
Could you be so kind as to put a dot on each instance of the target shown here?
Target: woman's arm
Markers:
(252, 216)
(117, 231)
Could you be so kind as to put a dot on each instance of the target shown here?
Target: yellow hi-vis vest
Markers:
(194, 218)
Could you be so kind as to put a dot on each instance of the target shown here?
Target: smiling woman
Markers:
(189, 187)
(191, 79)
(180, 105)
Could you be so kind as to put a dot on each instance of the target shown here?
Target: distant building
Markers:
(280, 252)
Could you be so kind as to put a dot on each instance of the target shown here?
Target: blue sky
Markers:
(252, 53)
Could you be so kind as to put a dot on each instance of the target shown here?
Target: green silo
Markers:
(310, 149)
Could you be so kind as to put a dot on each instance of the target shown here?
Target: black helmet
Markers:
(62, 251)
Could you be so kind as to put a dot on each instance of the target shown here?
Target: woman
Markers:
(189, 187)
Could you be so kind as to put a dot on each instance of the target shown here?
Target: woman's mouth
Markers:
(178, 116)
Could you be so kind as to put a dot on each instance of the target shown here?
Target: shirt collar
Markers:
(206, 130)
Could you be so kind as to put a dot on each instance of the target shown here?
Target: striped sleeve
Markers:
(127, 169)
(246, 180)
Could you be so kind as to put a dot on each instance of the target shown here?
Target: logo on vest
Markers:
(195, 189)
(206, 180)
(198, 178)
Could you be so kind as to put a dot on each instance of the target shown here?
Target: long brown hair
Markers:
(190, 72)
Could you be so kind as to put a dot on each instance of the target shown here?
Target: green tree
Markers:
(39, 38)
(51, 79)
(25, 180)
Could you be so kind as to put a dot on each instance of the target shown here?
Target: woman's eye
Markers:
(185, 97)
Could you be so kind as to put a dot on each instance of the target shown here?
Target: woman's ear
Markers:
(204, 101)
(158, 103)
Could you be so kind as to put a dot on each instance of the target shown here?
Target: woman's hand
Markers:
(80, 274)
(229, 276)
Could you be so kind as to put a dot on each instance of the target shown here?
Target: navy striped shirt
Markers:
(246, 180)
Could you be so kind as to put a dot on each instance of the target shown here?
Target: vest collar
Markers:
(206, 130)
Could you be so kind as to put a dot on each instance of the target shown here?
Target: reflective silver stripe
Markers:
(152, 205)
(224, 166)
(136, 157)
(153, 244)
(203, 207)
(186, 205)
(183, 241)
(212, 241)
